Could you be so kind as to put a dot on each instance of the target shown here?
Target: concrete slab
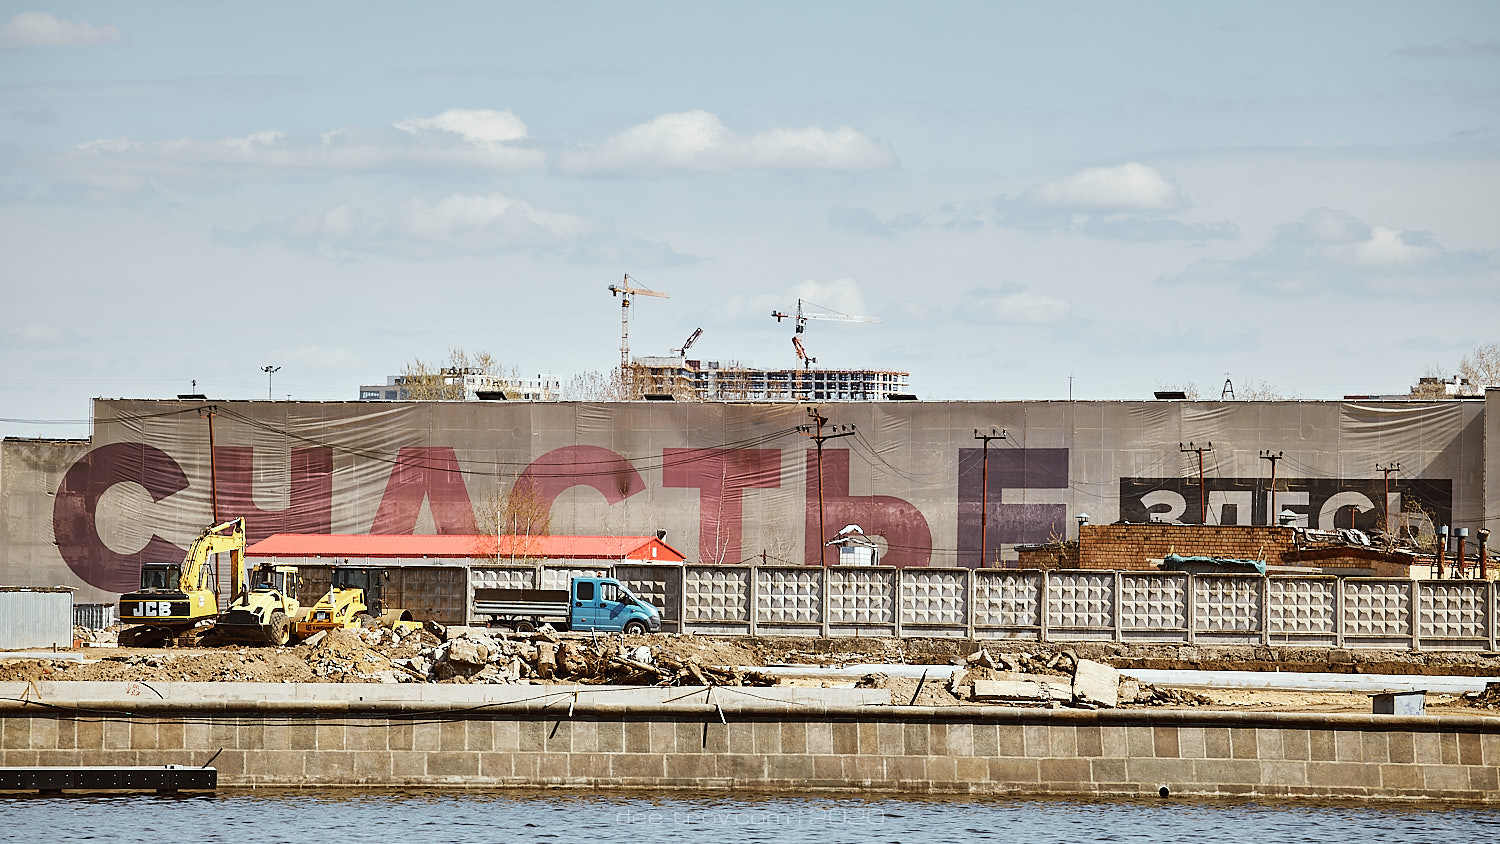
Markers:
(1309, 681)
(1024, 687)
(1096, 683)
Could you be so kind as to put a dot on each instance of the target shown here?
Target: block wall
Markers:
(1135, 547)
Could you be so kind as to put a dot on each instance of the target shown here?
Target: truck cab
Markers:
(607, 605)
(600, 604)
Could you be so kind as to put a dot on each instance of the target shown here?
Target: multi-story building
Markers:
(696, 380)
(544, 387)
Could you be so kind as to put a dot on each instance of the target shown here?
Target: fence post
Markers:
(469, 595)
(1265, 610)
(1415, 620)
(1041, 604)
(823, 603)
(536, 576)
(898, 586)
(971, 591)
(752, 597)
(1190, 605)
(1494, 616)
(682, 597)
(1338, 612)
(1116, 606)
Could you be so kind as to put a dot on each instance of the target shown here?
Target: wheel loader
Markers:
(355, 598)
(265, 609)
(176, 599)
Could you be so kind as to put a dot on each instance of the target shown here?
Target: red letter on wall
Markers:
(721, 478)
(310, 504)
(73, 513)
(905, 529)
(433, 474)
(581, 465)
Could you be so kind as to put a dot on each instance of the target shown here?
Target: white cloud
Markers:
(39, 29)
(477, 125)
(1011, 305)
(1127, 187)
(699, 140)
(463, 215)
(1391, 246)
(842, 295)
(482, 139)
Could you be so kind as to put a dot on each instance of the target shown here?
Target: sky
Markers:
(1300, 196)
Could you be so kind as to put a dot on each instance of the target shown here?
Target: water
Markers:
(434, 817)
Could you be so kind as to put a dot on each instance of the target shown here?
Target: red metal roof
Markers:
(647, 548)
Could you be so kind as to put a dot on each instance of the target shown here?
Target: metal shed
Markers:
(36, 617)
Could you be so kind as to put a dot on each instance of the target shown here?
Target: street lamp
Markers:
(269, 370)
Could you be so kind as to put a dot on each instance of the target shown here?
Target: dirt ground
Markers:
(346, 657)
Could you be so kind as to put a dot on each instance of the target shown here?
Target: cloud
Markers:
(476, 138)
(1009, 304)
(1455, 48)
(865, 221)
(699, 140)
(39, 29)
(1127, 187)
(474, 125)
(1327, 250)
(1130, 202)
(457, 224)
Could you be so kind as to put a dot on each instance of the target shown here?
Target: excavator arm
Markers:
(228, 536)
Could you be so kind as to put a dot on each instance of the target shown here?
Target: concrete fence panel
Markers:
(789, 600)
(560, 577)
(1008, 604)
(1454, 614)
(1378, 613)
(1303, 611)
(1154, 606)
(716, 599)
(935, 602)
(862, 601)
(659, 584)
(1080, 605)
(1227, 608)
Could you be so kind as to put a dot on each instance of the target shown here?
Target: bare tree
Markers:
(1482, 366)
(521, 511)
(1260, 391)
(424, 381)
(596, 385)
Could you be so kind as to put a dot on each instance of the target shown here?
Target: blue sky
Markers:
(1297, 195)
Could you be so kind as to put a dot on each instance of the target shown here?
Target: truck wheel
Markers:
(279, 629)
(524, 627)
(634, 628)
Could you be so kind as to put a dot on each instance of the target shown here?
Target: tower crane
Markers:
(803, 314)
(626, 293)
(688, 343)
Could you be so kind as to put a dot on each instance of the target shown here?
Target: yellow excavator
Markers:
(264, 609)
(355, 598)
(175, 599)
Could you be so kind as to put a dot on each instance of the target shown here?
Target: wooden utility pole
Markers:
(815, 433)
(213, 476)
(1192, 448)
(1385, 504)
(1267, 454)
(984, 484)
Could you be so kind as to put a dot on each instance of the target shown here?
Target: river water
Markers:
(434, 817)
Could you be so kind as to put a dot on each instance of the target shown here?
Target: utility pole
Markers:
(213, 475)
(269, 370)
(1267, 454)
(1192, 448)
(1385, 504)
(815, 433)
(984, 484)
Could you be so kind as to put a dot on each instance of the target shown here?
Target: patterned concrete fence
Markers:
(1050, 606)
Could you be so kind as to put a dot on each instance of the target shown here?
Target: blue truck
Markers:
(589, 603)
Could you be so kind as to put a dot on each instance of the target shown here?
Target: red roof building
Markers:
(647, 549)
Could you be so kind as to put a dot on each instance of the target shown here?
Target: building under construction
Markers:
(684, 379)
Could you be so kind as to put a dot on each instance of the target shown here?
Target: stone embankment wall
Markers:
(868, 748)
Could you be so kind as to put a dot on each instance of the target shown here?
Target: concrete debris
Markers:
(980, 658)
(1022, 687)
(1488, 698)
(1096, 684)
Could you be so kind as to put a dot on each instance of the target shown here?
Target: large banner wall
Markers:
(727, 482)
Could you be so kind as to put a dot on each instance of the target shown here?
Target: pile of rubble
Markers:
(1487, 698)
(89, 637)
(476, 655)
(1062, 679)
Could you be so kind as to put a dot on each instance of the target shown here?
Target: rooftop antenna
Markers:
(1227, 394)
